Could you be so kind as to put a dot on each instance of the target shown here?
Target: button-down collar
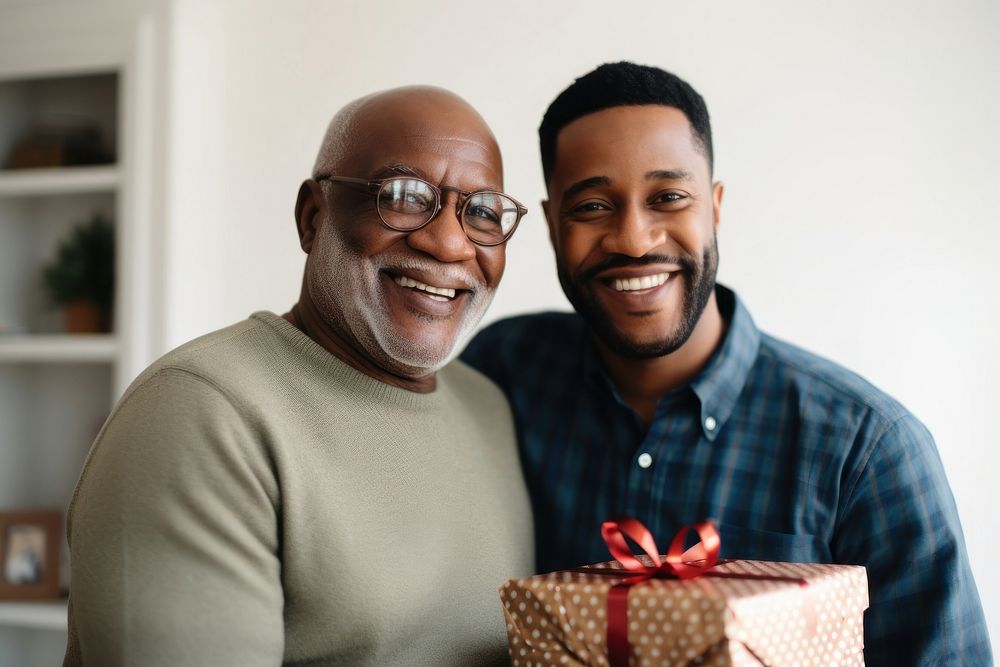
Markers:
(719, 383)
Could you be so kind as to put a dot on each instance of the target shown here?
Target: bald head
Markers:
(410, 111)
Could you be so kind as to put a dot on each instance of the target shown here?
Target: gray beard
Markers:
(347, 290)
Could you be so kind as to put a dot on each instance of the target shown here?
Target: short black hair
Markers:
(623, 84)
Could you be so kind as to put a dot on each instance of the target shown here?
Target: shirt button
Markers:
(645, 460)
(710, 423)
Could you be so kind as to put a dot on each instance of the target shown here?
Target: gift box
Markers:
(675, 610)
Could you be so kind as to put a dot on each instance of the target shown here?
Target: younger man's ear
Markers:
(718, 189)
(307, 208)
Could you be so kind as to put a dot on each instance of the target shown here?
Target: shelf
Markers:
(57, 347)
(58, 180)
(38, 615)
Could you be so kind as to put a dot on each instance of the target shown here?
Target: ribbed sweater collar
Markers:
(316, 356)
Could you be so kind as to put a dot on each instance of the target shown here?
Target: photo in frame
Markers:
(30, 545)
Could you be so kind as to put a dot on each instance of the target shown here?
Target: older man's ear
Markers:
(306, 209)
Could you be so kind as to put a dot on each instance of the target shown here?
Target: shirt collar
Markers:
(721, 381)
(718, 385)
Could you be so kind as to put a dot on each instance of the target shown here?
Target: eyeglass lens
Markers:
(408, 203)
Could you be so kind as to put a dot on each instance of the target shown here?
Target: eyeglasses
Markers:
(407, 203)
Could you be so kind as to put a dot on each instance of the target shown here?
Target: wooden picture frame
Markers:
(30, 546)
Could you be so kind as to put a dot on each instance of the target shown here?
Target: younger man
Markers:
(661, 399)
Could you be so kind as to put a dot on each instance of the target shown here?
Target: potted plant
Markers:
(81, 277)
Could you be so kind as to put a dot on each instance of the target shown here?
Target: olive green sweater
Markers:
(254, 501)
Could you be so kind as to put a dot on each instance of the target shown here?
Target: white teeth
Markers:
(443, 293)
(646, 282)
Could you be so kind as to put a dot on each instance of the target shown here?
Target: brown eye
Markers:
(670, 199)
(589, 210)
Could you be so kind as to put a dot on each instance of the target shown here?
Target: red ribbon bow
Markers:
(679, 564)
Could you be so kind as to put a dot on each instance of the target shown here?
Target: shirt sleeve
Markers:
(900, 521)
(174, 535)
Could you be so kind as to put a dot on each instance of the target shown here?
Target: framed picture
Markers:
(30, 543)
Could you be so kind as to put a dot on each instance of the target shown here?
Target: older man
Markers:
(660, 398)
(324, 487)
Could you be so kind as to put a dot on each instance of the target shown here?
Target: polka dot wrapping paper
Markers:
(561, 618)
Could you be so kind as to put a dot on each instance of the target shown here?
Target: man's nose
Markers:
(635, 232)
(444, 238)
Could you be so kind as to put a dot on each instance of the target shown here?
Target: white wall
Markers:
(857, 140)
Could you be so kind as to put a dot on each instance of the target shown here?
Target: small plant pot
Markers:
(84, 317)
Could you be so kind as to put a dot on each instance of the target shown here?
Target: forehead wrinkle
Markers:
(397, 169)
(485, 146)
(489, 150)
(453, 151)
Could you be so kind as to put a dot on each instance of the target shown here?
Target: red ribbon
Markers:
(678, 564)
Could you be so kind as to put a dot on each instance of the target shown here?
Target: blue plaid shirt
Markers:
(796, 459)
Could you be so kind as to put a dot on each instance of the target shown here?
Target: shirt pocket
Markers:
(754, 544)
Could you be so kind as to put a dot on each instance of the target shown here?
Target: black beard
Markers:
(699, 283)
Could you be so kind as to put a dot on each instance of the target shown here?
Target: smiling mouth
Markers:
(436, 293)
(635, 284)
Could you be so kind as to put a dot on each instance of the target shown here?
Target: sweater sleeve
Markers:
(901, 523)
(174, 535)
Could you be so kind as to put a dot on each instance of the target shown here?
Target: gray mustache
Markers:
(451, 274)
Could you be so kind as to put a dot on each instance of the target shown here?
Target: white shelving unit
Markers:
(105, 63)
(55, 388)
